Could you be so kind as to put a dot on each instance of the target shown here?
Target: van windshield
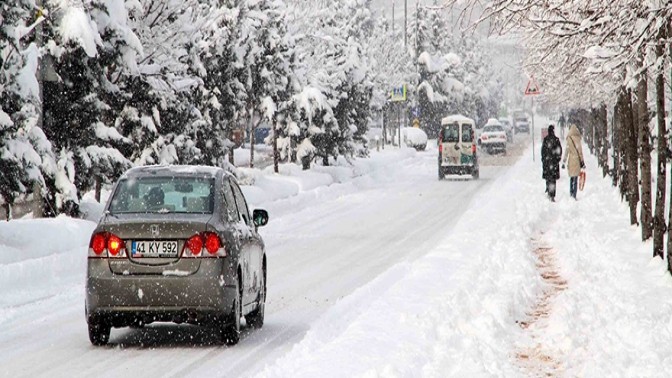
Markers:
(186, 195)
(451, 133)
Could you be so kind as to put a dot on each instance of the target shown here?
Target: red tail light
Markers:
(208, 240)
(114, 244)
(440, 147)
(98, 243)
(473, 148)
(212, 243)
(105, 244)
(195, 245)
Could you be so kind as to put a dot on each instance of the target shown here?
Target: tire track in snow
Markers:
(537, 359)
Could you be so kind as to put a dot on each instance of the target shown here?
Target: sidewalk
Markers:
(456, 312)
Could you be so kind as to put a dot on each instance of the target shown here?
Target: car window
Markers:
(189, 195)
(467, 133)
(241, 204)
(491, 129)
(230, 202)
(451, 133)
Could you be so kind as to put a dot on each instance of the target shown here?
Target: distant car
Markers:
(506, 124)
(522, 126)
(493, 139)
(176, 244)
(260, 134)
(457, 147)
(414, 137)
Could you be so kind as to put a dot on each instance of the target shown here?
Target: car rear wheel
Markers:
(256, 318)
(99, 332)
(231, 330)
(442, 174)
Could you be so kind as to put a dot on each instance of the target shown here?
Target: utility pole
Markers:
(405, 23)
(393, 20)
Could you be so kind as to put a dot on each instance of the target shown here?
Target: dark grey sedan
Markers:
(176, 244)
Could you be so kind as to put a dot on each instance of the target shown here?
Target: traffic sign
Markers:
(398, 94)
(532, 88)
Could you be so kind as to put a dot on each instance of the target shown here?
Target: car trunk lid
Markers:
(154, 242)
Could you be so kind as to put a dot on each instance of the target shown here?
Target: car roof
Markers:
(456, 118)
(174, 170)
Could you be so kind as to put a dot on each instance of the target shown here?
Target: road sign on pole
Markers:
(532, 88)
(398, 94)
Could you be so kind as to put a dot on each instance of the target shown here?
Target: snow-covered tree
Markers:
(22, 160)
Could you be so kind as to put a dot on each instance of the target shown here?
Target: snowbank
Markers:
(41, 257)
(264, 188)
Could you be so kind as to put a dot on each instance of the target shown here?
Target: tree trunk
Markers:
(622, 145)
(99, 186)
(633, 176)
(252, 128)
(616, 148)
(292, 149)
(276, 153)
(659, 226)
(645, 157)
(8, 211)
(305, 162)
(231, 160)
(629, 184)
(603, 121)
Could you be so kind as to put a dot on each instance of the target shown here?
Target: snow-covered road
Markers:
(341, 238)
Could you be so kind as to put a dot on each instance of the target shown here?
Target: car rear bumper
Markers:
(458, 169)
(495, 145)
(204, 296)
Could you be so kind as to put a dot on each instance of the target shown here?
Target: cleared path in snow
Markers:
(536, 359)
(340, 238)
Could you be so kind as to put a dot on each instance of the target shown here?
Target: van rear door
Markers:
(450, 144)
(467, 150)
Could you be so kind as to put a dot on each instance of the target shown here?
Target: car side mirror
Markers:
(260, 217)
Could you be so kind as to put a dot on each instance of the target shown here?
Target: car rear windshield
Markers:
(493, 129)
(186, 195)
(451, 133)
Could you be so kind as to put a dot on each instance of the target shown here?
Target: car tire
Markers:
(442, 174)
(231, 330)
(99, 332)
(255, 319)
(475, 174)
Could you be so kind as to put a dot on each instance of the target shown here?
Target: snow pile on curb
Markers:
(450, 313)
(262, 187)
(40, 257)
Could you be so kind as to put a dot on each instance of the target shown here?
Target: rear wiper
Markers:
(163, 211)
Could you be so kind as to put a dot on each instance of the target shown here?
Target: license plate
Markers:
(154, 248)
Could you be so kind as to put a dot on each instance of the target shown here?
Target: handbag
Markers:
(582, 179)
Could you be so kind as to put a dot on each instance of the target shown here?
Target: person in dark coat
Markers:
(551, 155)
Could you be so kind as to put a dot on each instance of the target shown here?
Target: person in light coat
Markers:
(573, 158)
